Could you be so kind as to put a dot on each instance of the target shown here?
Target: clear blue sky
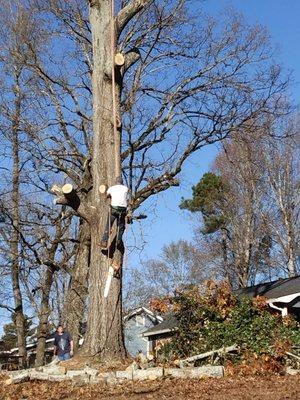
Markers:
(281, 17)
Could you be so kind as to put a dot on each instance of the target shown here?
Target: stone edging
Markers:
(57, 373)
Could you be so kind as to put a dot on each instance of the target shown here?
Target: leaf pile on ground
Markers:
(235, 388)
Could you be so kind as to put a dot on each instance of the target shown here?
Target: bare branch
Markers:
(128, 12)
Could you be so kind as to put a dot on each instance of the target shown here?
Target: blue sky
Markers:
(168, 223)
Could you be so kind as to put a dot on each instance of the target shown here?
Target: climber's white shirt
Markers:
(119, 195)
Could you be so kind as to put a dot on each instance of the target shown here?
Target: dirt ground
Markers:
(231, 388)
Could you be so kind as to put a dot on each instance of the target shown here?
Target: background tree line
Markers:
(246, 217)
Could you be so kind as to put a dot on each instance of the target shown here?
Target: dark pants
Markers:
(116, 214)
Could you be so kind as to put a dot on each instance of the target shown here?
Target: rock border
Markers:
(57, 373)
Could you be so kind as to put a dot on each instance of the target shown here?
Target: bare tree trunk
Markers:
(227, 268)
(104, 334)
(14, 246)
(75, 303)
(290, 247)
(44, 313)
(44, 309)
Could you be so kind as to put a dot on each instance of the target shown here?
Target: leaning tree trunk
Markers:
(75, 302)
(104, 334)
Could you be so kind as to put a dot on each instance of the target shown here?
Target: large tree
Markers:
(210, 87)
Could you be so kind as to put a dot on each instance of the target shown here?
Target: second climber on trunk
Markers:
(118, 194)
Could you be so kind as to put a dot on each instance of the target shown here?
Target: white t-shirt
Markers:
(119, 194)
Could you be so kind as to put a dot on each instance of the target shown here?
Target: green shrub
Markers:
(217, 318)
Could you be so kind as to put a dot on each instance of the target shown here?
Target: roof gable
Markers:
(143, 310)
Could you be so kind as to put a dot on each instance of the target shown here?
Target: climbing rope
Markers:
(116, 135)
(114, 106)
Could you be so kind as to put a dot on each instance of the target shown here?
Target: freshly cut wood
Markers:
(102, 189)
(119, 59)
(222, 350)
(71, 195)
(67, 188)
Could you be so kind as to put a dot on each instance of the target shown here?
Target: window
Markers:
(140, 320)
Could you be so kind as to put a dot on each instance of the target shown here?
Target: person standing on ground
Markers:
(118, 194)
(63, 344)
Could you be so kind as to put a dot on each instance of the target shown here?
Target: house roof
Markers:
(273, 290)
(33, 344)
(168, 325)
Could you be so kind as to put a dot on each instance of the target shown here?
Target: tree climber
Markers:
(118, 194)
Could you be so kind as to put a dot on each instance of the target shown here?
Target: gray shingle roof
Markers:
(272, 290)
(168, 325)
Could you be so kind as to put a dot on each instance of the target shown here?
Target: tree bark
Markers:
(44, 313)
(104, 336)
(14, 246)
(75, 303)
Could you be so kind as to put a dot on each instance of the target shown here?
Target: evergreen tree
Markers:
(209, 198)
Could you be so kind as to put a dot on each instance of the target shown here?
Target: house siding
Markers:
(133, 329)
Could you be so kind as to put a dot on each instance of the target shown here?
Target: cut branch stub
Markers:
(102, 189)
(119, 60)
(66, 195)
(71, 195)
(67, 189)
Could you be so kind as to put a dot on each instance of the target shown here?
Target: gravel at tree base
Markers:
(229, 388)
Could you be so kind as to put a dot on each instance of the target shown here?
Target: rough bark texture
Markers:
(75, 302)
(104, 335)
(14, 246)
(286, 210)
(44, 309)
(44, 313)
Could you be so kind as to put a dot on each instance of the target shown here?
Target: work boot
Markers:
(117, 274)
(116, 266)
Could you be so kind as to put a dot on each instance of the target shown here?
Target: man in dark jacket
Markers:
(63, 344)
